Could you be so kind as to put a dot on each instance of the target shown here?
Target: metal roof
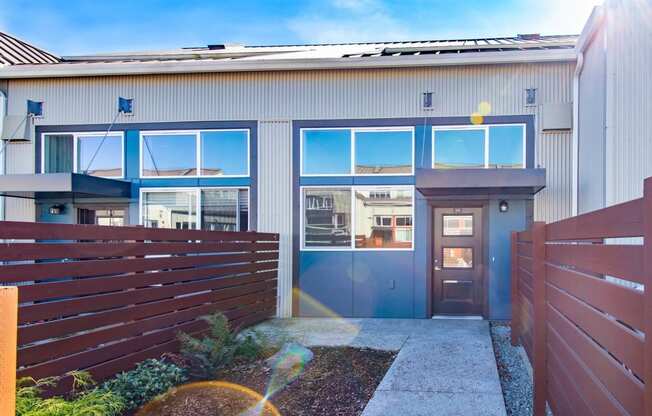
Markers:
(14, 51)
(337, 50)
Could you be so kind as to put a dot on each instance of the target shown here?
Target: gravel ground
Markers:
(514, 376)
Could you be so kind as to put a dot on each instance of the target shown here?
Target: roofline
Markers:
(592, 26)
(180, 67)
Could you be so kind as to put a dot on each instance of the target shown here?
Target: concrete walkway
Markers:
(444, 367)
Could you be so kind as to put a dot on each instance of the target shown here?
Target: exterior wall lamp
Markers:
(503, 206)
(57, 209)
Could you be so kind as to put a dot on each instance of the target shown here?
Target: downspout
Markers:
(576, 130)
(3, 150)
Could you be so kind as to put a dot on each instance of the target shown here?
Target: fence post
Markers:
(8, 339)
(540, 323)
(647, 255)
(516, 306)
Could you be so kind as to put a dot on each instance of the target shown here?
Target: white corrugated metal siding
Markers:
(275, 199)
(20, 159)
(629, 108)
(276, 98)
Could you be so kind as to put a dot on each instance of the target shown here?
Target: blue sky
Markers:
(68, 27)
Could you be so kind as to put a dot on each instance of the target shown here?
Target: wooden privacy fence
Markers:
(101, 298)
(588, 336)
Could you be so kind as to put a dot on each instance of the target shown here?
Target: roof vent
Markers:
(216, 47)
(529, 36)
(222, 46)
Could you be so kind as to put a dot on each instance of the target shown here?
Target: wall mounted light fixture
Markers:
(503, 206)
(57, 209)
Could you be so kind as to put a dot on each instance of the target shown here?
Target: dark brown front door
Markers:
(457, 262)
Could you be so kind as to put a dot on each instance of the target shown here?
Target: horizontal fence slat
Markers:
(620, 341)
(623, 261)
(48, 251)
(524, 249)
(566, 383)
(613, 375)
(11, 273)
(62, 327)
(622, 220)
(598, 398)
(624, 303)
(49, 231)
(524, 236)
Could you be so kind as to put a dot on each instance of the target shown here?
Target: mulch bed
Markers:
(339, 381)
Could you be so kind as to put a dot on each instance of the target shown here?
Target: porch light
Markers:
(503, 206)
(56, 209)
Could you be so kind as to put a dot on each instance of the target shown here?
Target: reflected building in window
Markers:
(383, 218)
(327, 218)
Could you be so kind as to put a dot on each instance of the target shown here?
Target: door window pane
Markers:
(458, 225)
(506, 146)
(383, 222)
(221, 209)
(169, 155)
(326, 152)
(383, 152)
(458, 257)
(100, 156)
(174, 209)
(224, 153)
(58, 153)
(327, 217)
(459, 149)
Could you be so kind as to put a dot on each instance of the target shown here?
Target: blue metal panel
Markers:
(423, 145)
(422, 256)
(132, 153)
(383, 284)
(383, 180)
(499, 260)
(43, 212)
(326, 283)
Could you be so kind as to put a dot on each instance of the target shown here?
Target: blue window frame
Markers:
(168, 154)
(506, 146)
(91, 153)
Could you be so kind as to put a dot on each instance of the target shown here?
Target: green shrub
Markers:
(85, 399)
(206, 356)
(149, 379)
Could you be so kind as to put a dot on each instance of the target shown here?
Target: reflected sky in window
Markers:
(326, 152)
(459, 149)
(506, 146)
(223, 153)
(169, 155)
(383, 152)
(98, 156)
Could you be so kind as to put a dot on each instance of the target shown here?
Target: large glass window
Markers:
(224, 153)
(357, 218)
(459, 148)
(383, 152)
(494, 146)
(169, 154)
(224, 209)
(383, 218)
(170, 209)
(326, 152)
(58, 153)
(327, 218)
(506, 147)
(100, 155)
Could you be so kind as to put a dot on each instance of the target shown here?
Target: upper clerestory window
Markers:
(495, 146)
(357, 151)
(96, 154)
(194, 153)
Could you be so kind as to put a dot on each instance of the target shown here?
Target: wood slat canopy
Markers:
(102, 299)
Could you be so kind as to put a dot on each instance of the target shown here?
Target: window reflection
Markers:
(458, 225)
(459, 148)
(169, 155)
(458, 257)
(224, 209)
(383, 218)
(506, 146)
(383, 152)
(58, 153)
(224, 153)
(326, 152)
(174, 209)
(327, 217)
(100, 156)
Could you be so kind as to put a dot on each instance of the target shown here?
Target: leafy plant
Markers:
(149, 379)
(85, 399)
(206, 356)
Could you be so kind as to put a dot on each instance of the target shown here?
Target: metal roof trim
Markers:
(199, 66)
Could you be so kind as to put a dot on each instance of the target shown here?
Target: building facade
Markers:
(394, 173)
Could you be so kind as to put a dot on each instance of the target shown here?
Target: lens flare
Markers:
(484, 108)
(287, 367)
(204, 393)
(477, 118)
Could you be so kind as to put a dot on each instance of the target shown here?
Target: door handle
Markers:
(437, 268)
